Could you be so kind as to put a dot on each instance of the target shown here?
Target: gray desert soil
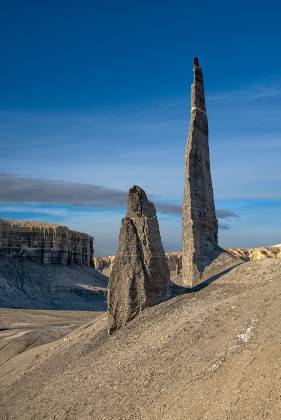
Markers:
(211, 354)
(31, 285)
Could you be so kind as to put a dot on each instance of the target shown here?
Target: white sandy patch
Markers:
(245, 335)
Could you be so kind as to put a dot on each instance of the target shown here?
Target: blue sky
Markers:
(98, 95)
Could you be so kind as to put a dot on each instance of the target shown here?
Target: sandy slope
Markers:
(213, 354)
(23, 329)
(27, 284)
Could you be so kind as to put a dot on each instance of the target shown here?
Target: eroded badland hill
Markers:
(211, 354)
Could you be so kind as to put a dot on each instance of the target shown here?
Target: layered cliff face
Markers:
(45, 243)
(48, 266)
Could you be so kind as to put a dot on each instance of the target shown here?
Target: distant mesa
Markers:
(48, 266)
(45, 243)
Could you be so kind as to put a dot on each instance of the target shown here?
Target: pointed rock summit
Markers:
(140, 273)
(200, 226)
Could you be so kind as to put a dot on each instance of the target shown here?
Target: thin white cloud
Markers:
(249, 93)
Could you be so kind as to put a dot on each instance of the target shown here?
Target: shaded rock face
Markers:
(140, 272)
(200, 226)
(45, 243)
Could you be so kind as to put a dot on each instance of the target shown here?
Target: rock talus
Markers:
(140, 272)
(200, 226)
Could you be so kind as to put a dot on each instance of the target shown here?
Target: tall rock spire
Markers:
(200, 226)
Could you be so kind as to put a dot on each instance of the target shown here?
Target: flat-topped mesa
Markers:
(140, 273)
(200, 226)
(44, 243)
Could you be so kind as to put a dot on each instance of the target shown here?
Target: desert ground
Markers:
(210, 354)
(21, 329)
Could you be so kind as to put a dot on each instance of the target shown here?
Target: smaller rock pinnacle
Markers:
(140, 273)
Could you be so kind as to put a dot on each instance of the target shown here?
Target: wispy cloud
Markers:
(23, 189)
(249, 93)
(18, 189)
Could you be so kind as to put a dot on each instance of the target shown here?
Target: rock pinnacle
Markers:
(200, 227)
(140, 273)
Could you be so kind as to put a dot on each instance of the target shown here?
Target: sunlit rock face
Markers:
(260, 253)
(104, 264)
(200, 226)
(140, 272)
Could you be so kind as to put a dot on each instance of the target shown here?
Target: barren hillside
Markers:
(28, 284)
(211, 354)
